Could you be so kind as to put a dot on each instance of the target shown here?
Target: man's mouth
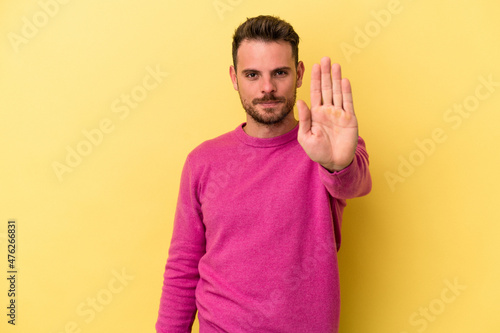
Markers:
(269, 104)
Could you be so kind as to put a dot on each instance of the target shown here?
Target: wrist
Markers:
(335, 168)
(330, 167)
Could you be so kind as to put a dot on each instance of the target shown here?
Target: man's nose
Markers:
(268, 86)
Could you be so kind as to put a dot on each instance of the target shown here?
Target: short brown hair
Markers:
(268, 29)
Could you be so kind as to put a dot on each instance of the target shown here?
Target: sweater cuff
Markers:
(348, 169)
(338, 172)
(347, 183)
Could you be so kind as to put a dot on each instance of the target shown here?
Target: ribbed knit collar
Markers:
(266, 142)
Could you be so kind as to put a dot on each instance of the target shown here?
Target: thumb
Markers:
(304, 118)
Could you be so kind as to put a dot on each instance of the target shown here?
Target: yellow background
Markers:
(112, 214)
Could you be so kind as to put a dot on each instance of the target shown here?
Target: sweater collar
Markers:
(266, 142)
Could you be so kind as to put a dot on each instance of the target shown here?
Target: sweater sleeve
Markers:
(178, 304)
(352, 181)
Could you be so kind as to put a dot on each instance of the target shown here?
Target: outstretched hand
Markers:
(328, 132)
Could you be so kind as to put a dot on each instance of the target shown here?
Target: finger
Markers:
(304, 118)
(337, 85)
(326, 81)
(347, 96)
(315, 86)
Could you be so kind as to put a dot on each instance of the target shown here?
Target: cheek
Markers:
(246, 90)
(288, 88)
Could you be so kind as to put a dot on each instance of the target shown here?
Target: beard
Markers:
(270, 116)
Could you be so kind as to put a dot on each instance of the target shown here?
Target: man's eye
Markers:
(251, 75)
(281, 73)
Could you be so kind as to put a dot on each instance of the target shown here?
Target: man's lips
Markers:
(269, 103)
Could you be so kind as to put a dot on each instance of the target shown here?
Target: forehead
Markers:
(264, 55)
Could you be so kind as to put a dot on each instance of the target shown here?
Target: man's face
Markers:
(267, 80)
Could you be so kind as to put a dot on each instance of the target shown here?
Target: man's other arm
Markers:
(178, 304)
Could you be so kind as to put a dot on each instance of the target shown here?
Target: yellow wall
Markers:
(420, 253)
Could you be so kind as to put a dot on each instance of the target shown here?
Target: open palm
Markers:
(328, 132)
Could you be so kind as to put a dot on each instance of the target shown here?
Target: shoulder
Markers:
(214, 148)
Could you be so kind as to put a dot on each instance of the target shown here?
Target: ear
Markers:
(300, 73)
(232, 74)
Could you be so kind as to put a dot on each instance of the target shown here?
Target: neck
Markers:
(259, 130)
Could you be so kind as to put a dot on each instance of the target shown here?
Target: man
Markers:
(257, 226)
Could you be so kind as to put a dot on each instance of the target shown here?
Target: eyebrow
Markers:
(249, 70)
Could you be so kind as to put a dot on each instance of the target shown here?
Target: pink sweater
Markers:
(256, 235)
